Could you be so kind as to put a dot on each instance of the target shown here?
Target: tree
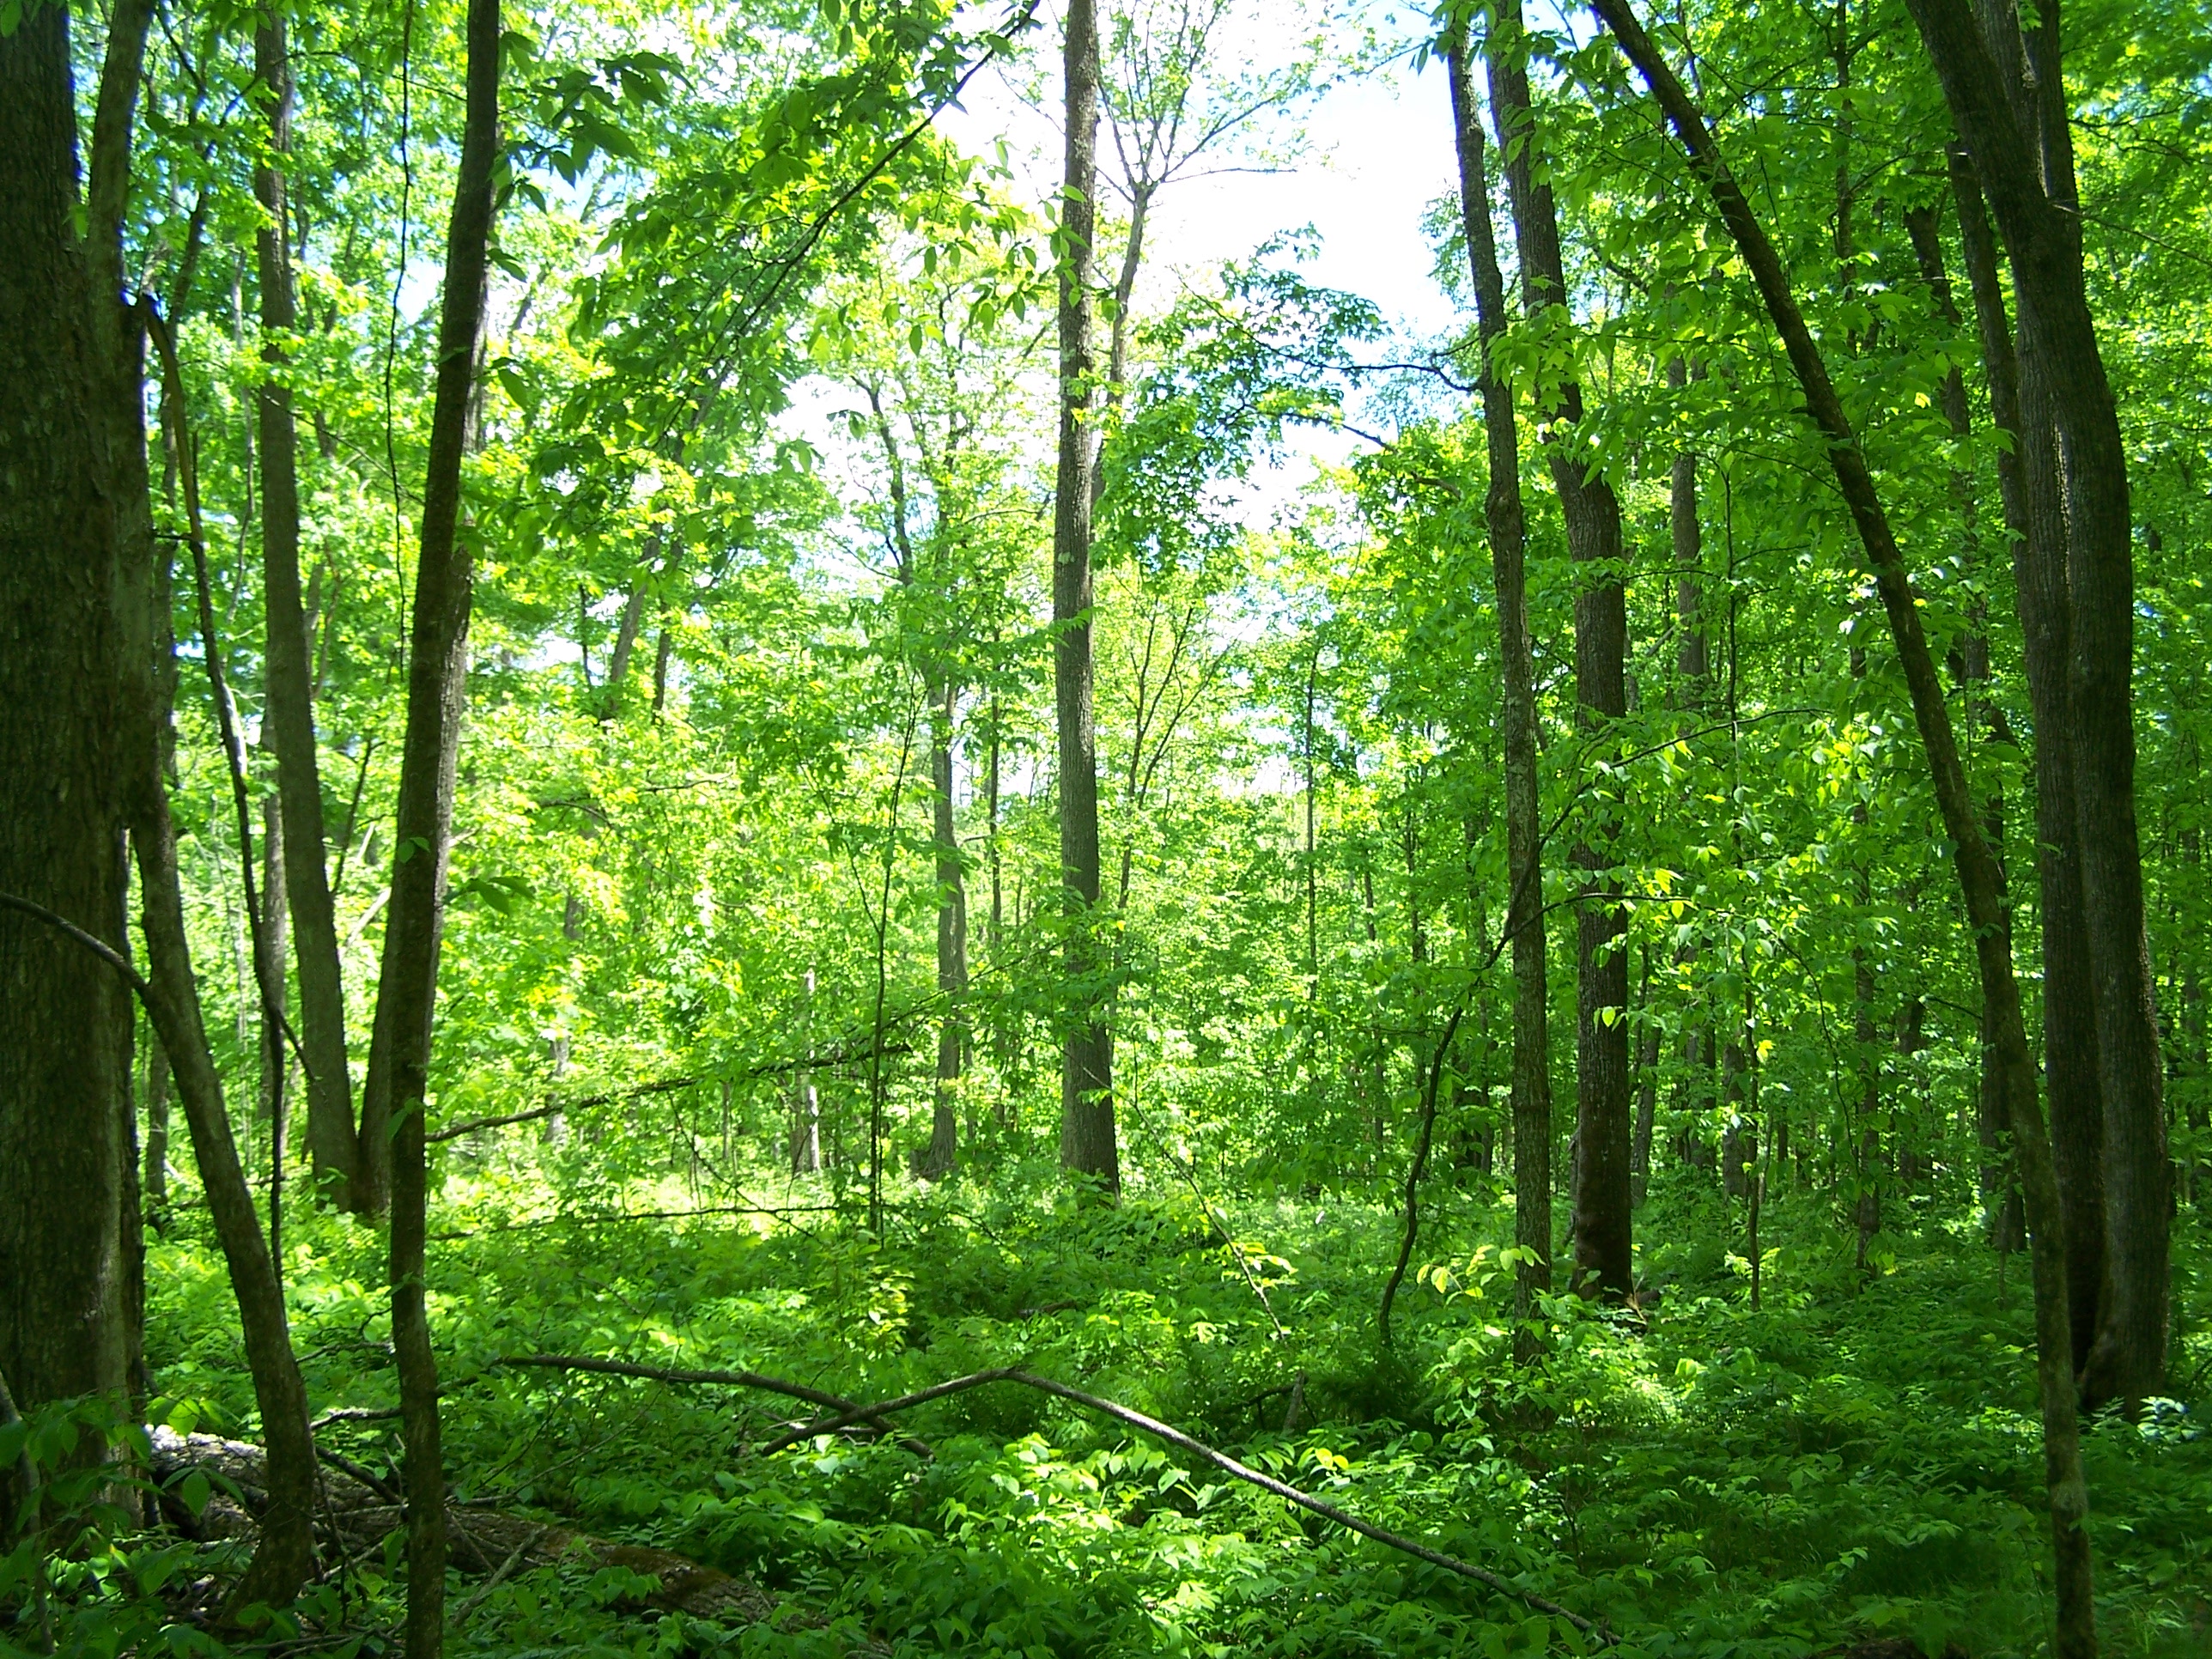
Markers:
(1980, 877)
(1087, 1136)
(64, 1015)
(1602, 1214)
(1504, 517)
(438, 664)
(289, 717)
(2014, 120)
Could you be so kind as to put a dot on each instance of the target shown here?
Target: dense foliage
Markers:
(760, 705)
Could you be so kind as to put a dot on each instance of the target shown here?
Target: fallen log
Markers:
(1199, 1450)
(355, 1518)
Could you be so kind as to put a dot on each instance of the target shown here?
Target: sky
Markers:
(1381, 146)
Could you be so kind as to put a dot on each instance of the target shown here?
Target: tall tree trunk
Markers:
(943, 1152)
(1999, 1194)
(1980, 877)
(2015, 121)
(806, 1104)
(2028, 482)
(1647, 1092)
(1086, 1135)
(155, 1183)
(269, 942)
(288, 718)
(269, 945)
(286, 1553)
(436, 687)
(1603, 1216)
(1505, 516)
(65, 1019)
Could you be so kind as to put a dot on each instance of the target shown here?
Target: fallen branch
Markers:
(852, 1413)
(635, 1215)
(1221, 1461)
(667, 1085)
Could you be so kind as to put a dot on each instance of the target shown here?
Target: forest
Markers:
(1077, 828)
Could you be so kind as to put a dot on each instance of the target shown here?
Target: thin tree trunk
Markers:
(1980, 877)
(269, 973)
(1999, 1194)
(1505, 518)
(156, 1183)
(286, 1554)
(289, 717)
(1087, 1135)
(943, 1152)
(269, 944)
(2028, 481)
(1647, 1093)
(1693, 674)
(662, 652)
(437, 684)
(1602, 1217)
(806, 1104)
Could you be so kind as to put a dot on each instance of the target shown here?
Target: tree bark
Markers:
(436, 687)
(65, 1019)
(1603, 1220)
(2015, 121)
(939, 1158)
(1505, 517)
(1980, 879)
(1087, 1144)
(288, 718)
(286, 1554)
(2028, 486)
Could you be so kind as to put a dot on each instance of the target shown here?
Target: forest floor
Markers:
(1856, 1459)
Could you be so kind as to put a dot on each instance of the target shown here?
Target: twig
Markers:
(361, 1472)
(1221, 1461)
(852, 1413)
(476, 1599)
(1414, 1171)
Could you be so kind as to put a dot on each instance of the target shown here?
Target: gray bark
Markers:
(1087, 1142)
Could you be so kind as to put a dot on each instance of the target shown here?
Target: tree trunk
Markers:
(1602, 1217)
(1980, 878)
(1999, 1194)
(269, 969)
(1086, 1135)
(2028, 481)
(286, 1553)
(288, 718)
(943, 1153)
(156, 1183)
(1506, 519)
(1693, 675)
(2015, 122)
(1647, 1093)
(65, 1018)
(437, 684)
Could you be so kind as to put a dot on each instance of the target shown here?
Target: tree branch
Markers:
(1220, 1461)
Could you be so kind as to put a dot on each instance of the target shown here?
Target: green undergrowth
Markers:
(1858, 1457)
